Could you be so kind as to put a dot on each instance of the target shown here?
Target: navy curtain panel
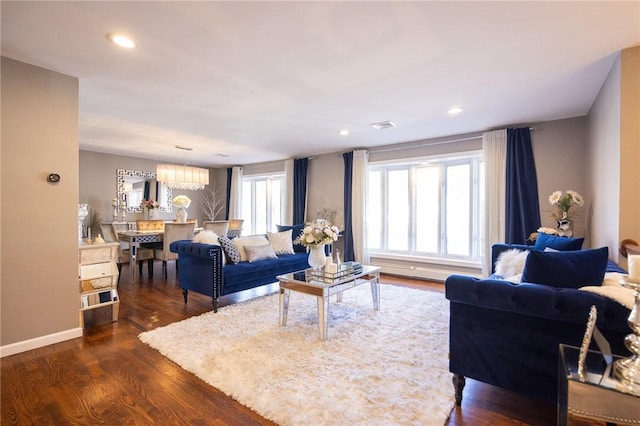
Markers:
(226, 207)
(348, 194)
(521, 198)
(300, 167)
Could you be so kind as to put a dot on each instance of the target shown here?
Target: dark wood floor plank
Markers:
(110, 377)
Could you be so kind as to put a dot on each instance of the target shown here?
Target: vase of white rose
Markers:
(315, 237)
(182, 202)
(566, 202)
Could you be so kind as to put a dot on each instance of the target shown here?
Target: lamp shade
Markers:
(182, 177)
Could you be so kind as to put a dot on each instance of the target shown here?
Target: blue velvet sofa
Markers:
(201, 270)
(507, 334)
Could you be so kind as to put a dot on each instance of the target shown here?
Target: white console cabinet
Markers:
(98, 278)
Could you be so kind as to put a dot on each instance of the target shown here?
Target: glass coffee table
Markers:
(598, 395)
(322, 285)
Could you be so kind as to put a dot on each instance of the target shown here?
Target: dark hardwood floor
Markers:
(109, 377)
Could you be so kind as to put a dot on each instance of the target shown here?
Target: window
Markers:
(262, 203)
(429, 208)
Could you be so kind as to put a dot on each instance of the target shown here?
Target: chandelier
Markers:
(182, 177)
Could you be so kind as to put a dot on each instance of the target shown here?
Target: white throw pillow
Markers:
(206, 237)
(511, 262)
(281, 242)
(253, 240)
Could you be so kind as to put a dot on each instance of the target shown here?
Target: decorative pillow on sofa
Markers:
(510, 264)
(559, 243)
(569, 269)
(296, 230)
(206, 237)
(255, 253)
(281, 242)
(209, 237)
(251, 240)
(229, 249)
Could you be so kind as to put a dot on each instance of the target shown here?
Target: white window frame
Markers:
(267, 177)
(475, 160)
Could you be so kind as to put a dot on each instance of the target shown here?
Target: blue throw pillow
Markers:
(566, 269)
(559, 243)
(296, 231)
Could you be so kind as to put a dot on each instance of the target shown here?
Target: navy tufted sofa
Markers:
(507, 334)
(201, 270)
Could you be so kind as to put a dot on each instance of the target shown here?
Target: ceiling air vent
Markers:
(383, 125)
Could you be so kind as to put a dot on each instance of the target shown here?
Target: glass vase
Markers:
(564, 226)
(181, 215)
(317, 258)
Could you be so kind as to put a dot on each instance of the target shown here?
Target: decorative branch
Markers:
(92, 222)
(212, 203)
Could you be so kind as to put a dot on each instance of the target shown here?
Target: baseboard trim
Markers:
(38, 342)
(428, 273)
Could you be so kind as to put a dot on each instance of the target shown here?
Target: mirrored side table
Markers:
(600, 396)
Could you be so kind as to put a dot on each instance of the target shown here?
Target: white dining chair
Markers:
(173, 232)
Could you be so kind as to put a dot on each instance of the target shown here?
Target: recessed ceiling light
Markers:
(122, 41)
(344, 132)
(455, 110)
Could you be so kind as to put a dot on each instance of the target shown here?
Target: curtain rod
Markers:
(470, 138)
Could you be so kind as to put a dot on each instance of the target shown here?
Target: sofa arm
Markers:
(189, 248)
(200, 268)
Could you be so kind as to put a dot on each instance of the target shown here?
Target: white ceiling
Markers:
(247, 82)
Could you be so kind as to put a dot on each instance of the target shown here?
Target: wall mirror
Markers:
(134, 185)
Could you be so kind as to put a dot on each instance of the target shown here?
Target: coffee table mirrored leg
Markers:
(323, 290)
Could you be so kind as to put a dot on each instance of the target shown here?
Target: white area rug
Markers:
(386, 367)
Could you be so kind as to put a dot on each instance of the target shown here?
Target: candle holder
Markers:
(123, 209)
(115, 204)
(627, 370)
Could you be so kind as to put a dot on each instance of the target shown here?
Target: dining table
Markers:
(135, 238)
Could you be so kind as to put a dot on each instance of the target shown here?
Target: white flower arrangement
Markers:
(565, 201)
(317, 234)
(182, 201)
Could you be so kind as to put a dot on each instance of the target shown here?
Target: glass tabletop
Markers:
(347, 271)
(598, 371)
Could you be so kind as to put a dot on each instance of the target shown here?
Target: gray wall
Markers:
(559, 148)
(614, 156)
(39, 220)
(604, 163)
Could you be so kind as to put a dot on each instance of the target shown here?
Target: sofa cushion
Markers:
(251, 240)
(281, 242)
(562, 269)
(296, 230)
(230, 250)
(255, 253)
(559, 243)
